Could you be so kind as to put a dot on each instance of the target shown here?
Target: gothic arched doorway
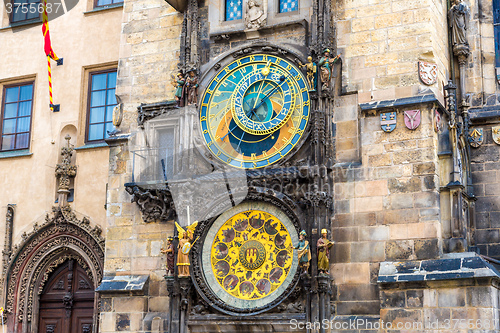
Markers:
(36, 267)
(67, 301)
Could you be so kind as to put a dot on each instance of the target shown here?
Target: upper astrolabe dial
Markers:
(254, 111)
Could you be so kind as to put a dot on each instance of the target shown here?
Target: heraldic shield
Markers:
(388, 121)
(412, 119)
(476, 137)
(427, 72)
(495, 133)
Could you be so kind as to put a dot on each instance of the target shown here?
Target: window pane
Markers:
(98, 81)
(9, 126)
(111, 97)
(11, 94)
(109, 113)
(8, 142)
(103, 2)
(233, 10)
(18, 14)
(96, 132)
(33, 11)
(23, 124)
(109, 128)
(112, 80)
(10, 110)
(97, 115)
(98, 98)
(22, 141)
(26, 92)
(24, 109)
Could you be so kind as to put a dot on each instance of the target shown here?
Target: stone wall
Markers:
(481, 78)
(382, 42)
(485, 169)
(386, 207)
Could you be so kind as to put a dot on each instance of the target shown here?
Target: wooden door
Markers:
(67, 301)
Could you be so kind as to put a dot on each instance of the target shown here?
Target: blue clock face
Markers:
(254, 111)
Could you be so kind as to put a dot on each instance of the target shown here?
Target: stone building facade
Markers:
(396, 155)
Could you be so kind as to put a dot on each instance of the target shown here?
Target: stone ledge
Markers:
(135, 284)
(406, 101)
(453, 266)
(484, 113)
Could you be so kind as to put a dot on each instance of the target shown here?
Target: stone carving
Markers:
(154, 204)
(324, 245)
(7, 248)
(458, 18)
(65, 171)
(311, 69)
(255, 16)
(170, 256)
(192, 87)
(50, 243)
(149, 111)
(427, 72)
(295, 307)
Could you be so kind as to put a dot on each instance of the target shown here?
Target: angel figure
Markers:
(184, 247)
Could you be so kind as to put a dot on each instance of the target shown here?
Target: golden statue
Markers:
(186, 237)
(324, 245)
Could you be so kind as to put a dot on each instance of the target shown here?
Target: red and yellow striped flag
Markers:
(49, 52)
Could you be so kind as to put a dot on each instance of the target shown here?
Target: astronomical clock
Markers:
(261, 113)
(254, 111)
(247, 259)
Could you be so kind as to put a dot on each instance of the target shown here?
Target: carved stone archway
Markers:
(61, 237)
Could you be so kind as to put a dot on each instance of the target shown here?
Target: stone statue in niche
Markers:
(178, 82)
(192, 87)
(255, 16)
(458, 18)
(170, 256)
(324, 245)
(326, 67)
(304, 252)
